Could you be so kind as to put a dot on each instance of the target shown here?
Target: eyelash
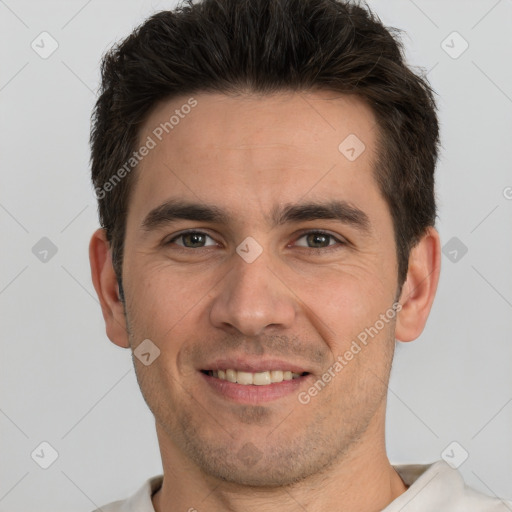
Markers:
(341, 242)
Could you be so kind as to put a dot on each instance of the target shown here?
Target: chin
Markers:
(262, 475)
(273, 465)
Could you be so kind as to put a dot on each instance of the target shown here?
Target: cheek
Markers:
(162, 295)
(167, 305)
(346, 300)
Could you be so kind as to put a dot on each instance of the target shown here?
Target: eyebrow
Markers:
(176, 209)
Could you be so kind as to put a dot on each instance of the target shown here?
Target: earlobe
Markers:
(107, 288)
(420, 286)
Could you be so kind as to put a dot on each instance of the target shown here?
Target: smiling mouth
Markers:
(254, 378)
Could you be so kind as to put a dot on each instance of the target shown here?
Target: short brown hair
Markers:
(267, 46)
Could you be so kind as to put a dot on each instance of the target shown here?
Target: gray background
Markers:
(63, 382)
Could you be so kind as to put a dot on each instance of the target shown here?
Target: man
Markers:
(265, 179)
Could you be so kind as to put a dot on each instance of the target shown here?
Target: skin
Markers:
(297, 301)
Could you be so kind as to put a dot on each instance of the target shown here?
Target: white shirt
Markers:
(435, 487)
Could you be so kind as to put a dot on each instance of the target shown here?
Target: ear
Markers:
(105, 284)
(420, 286)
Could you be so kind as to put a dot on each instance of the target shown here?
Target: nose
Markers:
(252, 298)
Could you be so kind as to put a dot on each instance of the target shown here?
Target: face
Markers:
(257, 246)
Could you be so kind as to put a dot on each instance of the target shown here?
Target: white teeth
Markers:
(244, 378)
(261, 378)
(256, 378)
(276, 376)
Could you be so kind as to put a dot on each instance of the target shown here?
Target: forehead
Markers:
(251, 152)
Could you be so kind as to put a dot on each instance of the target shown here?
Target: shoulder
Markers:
(138, 502)
(437, 486)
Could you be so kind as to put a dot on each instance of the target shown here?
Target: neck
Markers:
(361, 480)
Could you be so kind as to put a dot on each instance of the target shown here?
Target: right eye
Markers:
(191, 240)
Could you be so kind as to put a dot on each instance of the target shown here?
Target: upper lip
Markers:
(254, 365)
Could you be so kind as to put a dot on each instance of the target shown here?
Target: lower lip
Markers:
(251, 394)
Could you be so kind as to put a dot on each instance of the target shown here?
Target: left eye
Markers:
(313, 240)
(318, 240)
